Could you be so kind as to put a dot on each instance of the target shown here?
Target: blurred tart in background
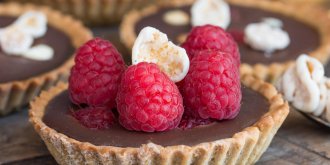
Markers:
(306, 29)
(37, 47)
(93, 12)
(306, 2)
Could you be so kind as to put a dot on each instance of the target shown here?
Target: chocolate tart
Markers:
(23, 79)
(92, 12)
(308, 28)
(238, 141)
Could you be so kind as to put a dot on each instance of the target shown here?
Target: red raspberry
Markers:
(94, 118)
(209, 37)
(237, 35)
(188, 122)
(211, 88)
(148, 100)
(95, 78)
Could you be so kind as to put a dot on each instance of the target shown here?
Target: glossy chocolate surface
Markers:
(304, 38)
(19, 68)
(57, 116)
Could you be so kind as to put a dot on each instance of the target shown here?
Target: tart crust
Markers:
(314, 17)
(304, 2)
(92, 12)
(245, 147)
(16, 94)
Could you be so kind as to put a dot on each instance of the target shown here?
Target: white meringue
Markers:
(266, 36)
(39, 53)
(14, 41)
(306, 87)
(33, 23)
(17, 39)
(176, 18)
(153, 46)
(214, 12)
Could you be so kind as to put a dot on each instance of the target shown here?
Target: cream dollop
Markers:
(17, 38)
(306, 87)
(15, 41)
(33, 23)
(39, 52)
(176, 18)
(214, 12)
(153, 46)
(267, 35)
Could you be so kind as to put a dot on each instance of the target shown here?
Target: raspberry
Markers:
(237, 35)
(94, 118)
(148, 100)
(188, 122)
(211, 88)
(95, 77)
(209, 37)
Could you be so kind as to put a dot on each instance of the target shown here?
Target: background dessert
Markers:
(302, 27)
(306, 2)
(93, 12)
(22, 78)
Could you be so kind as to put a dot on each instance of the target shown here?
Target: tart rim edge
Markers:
(245, 146)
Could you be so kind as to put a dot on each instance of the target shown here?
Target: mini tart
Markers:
(92, 12)
(242, 147)
(17, 93)
(313, 18)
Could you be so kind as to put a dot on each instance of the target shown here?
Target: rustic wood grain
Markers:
(43, 160)
(312, 136)
(282, 151)
(18, 140)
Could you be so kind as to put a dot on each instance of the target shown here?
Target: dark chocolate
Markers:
(304, 38)
(57, 116)
(14, 68)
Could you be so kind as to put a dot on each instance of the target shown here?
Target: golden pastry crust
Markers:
(304, 2)
(15, 94)
(315, 17)
(245, 147)
(93, 12)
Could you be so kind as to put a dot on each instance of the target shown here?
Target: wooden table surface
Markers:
(299, 140)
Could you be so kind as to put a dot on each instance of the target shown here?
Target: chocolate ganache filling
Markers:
(57, 116)
(304, 38)
(14, 68)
